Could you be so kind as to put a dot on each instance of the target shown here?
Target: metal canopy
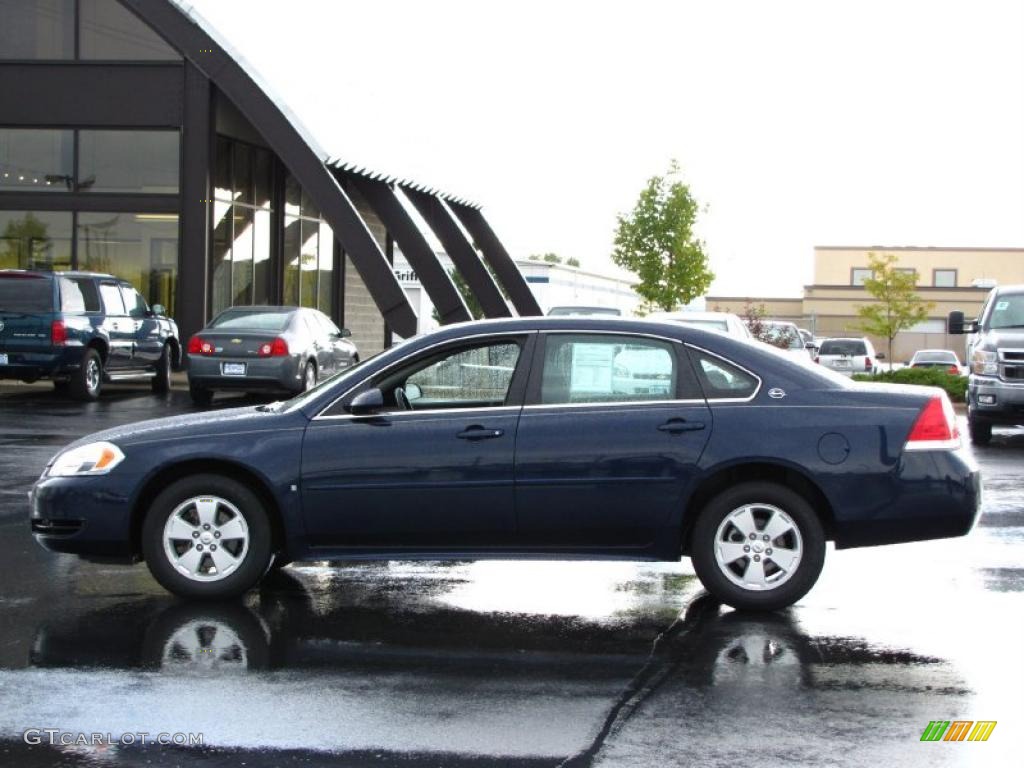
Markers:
(461, 252)
(183, 31)
(434, 277)
(508, 273)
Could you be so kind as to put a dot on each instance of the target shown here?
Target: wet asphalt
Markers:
(503, 663)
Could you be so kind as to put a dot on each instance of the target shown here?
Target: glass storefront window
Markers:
(109, 31)
(141, 248)
(290, 257)
(241, 255)
(43, 29)
(128, 161)
(326, 277)
(309, 260)
(36, 160)
(261, 256)
(35, 240)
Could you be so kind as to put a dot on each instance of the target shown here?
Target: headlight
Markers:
(91, 459)
(984, 362)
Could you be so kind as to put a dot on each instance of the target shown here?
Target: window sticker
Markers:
(591, 368)
(1002, 305)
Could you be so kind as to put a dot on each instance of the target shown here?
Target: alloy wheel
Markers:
(206, 538)
(758, 547)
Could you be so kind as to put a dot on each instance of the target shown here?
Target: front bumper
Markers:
(994, 401)
(932, 495)
(261, 374)
(82, 516)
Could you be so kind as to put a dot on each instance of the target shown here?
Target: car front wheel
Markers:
(161, 383)
(758, 546)
(207, 537)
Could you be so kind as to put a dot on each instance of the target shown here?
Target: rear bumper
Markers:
(280, 374)
(933, 495)
(82, 516)
(29, 366)
(1004, 402)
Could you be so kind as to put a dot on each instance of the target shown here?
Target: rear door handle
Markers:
(476, 432)
(676, 426)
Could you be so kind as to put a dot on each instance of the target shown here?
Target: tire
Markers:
(733, 580)
(980, 431)
(309, 376)
(161, 383)
(87, 382)
(204, 506)
(200, 395)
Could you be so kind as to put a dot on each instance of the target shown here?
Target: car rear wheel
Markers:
(200, 395)
(207, 537)
(981, 432)
(161, 383)
(758, 546)
(309, 376)
(87, 381)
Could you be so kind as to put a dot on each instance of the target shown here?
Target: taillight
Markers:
(935, 428)
(954, 370)
(276, 348)
(58, 333)
(197, 345)
(817, 359)
(868, 365)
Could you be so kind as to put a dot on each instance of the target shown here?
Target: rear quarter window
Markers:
(25, 294)
(78, 294)
(720, 379)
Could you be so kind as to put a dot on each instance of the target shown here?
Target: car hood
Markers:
(196, 425)
(1008, 338)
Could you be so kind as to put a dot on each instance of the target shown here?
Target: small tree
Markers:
(755, 318)
(657, 243)
(549, 258)
(896, 306)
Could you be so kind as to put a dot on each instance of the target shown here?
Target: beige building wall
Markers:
(834, 265)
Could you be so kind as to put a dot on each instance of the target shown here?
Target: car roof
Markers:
(61, 273)
(845, 338)
(263, 308)
(683, 316)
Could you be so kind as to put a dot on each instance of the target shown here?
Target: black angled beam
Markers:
(298, 154)
(508, 273)
(432, 275)
(461, 252)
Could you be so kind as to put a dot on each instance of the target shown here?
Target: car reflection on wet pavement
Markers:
(506, 663)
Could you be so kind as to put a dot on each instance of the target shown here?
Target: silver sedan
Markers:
(266, 349)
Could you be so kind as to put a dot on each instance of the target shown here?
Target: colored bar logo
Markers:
(958, 730)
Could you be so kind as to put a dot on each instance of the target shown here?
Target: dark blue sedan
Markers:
(530, 438)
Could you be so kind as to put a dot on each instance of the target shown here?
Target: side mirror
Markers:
(880, 356)
(370, 401)
(345, 333)
(957, 324)
(810, 345)
(159, 310)
(413, 391)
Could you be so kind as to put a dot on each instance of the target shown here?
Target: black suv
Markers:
(81, 329)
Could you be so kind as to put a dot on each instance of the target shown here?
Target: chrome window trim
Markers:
(424, 412)
(754, 394)
(614, 404)
(498, 335)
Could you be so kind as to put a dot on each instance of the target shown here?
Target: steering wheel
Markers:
(402, 400)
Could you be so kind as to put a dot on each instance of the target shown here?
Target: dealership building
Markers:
(133, 141)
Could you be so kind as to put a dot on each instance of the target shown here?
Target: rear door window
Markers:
(25, 294)
(79, 294)
(133, 302)
(113, 304)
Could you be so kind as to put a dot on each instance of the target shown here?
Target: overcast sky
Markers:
(797, 123)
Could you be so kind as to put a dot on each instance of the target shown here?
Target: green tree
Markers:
(23, 241)
(550, 258)
(572, 261)
(896, 307)
(472, 303)
(657, 243)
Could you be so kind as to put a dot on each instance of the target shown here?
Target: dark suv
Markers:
(81, 329)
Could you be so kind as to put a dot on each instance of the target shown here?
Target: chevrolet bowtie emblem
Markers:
(236, 341)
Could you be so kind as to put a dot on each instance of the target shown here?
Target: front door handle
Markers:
(476, 432)
(675, 426)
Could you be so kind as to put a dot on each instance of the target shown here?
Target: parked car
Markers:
(995, 352)
(848, 356)
(506, 439)
(942, 359)
(723, 322)
(786, 336)
(81, 329)
(810, 343)
(580, 311)
(266, 349)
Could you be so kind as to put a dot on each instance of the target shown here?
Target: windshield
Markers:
(842, 347)
(937, 356)
(711, 325)
(1007, 312)
(23, 293)
(563, 311)
(778, 332)
(253, 319)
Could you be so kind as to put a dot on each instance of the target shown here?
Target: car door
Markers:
(612, 430)
(432, 470)
(120, 328)
(145, 328)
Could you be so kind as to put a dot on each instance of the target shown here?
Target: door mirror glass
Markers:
(370, 401)
(880, 356)
(345, 333)
(956, 323)
(159, 310)
(413, 392)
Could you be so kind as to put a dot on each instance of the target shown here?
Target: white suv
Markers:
(848, 356)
